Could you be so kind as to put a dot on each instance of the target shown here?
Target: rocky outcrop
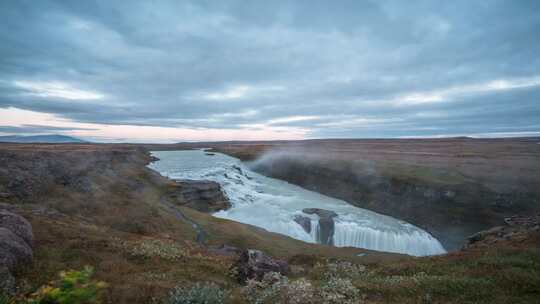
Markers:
(204, 196)
(14, 251)
(7, 281)
(516, 229)
(303, 221)
(17, 224)
(15, 247)
(254, 264)
(326, 231)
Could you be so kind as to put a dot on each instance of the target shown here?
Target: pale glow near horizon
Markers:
(14, 117)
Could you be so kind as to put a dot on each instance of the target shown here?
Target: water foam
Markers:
(273, 204)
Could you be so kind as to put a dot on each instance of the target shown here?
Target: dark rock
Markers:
(303, 221)
(325, 235)
(525, 221)
(5, 195)
(482, 235)
(7, 281)
(320, 212)
(18, 225)
(254, 264)
(517, 228)
(14, 251)
(204, 196)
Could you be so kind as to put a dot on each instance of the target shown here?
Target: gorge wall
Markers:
(451, 211)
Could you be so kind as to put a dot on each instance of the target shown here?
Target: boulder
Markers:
(204, 196)
(7, 281)
(325, 234)
(18, 225)
(14, 251)
(254, 264)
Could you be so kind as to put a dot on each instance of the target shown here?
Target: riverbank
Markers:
(450, 187)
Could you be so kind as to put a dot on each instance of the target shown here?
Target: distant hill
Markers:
(52, 138)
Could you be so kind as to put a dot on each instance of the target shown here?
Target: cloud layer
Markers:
(211, 70)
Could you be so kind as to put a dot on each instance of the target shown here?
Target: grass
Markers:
(495, 276)
(142, 251)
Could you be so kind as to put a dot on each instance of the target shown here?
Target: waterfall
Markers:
(416, 242)
(273, 205)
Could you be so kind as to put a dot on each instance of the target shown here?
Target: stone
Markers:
(254, 264)
(18, 225)
(14, 251)
(7, 281)
(204, 196)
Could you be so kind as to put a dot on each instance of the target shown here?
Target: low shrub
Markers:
(157, 248)
(339, 290)
(268, 290)
(4, 299)
(206, 293)
(73, 287)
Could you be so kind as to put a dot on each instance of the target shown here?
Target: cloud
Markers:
(452, 92)
(56, 90)
(295, 69)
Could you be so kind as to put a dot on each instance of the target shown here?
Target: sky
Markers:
(169, 71)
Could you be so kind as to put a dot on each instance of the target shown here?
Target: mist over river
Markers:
(274, 204)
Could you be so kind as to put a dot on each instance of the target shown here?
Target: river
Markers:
(273, 204)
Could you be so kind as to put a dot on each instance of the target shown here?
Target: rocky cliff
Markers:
(204, 196)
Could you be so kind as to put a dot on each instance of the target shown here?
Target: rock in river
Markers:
(326, 224)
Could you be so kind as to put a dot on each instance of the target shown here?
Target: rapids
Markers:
(273, 204)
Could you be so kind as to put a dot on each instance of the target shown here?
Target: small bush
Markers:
(207, 293)
(300, 292)
(341, 269)
(4, 299)
(158, 248)
(268, 290)
(73, 287)
(339, 291)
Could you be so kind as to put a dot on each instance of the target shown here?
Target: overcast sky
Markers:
(161, 71)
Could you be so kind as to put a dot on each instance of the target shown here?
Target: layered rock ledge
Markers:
(201, 195)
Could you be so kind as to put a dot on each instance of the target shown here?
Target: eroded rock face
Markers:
(303, 221)
(15, 247)
(13, 250)
(516, 228)
(254, 264)
(326, 224)
(7, 281)
(17, 224)
(204, 196)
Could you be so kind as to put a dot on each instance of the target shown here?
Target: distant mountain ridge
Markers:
(51, 138)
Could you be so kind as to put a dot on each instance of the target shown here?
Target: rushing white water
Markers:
(272, 204)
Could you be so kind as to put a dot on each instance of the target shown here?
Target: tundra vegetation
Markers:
(99, 205)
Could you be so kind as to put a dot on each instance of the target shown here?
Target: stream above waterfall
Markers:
(274, 205)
